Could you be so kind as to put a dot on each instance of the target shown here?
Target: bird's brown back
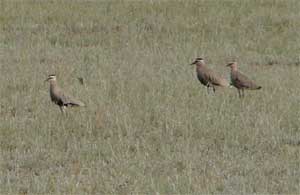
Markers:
(241, 81)
(211, 77)
(60, 98)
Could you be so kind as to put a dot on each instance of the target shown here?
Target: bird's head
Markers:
(51, 77)
(232, 65)
(198, 61)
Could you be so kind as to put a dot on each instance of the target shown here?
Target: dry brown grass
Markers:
(149, 126)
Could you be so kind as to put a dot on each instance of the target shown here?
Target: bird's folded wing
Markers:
(216, 79)
(69, 100)
(245, 81)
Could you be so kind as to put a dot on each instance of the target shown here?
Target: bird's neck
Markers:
(199, 65)
(233, 69)
(53, 84)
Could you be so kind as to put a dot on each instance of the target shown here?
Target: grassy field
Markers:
(149, 126)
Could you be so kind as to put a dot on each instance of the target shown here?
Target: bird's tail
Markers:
(80, 103)
(75, 103)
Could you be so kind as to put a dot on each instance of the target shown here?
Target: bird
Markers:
(207, 77)
(59, 97)
(80, 79)
(240, 81)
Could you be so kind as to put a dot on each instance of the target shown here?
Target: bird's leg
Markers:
(239, 93)
(214, 89)
(207, 87)
(63, 109)
(243, 92)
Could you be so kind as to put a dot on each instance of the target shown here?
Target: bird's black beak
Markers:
(193, 63)
(47, 79)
